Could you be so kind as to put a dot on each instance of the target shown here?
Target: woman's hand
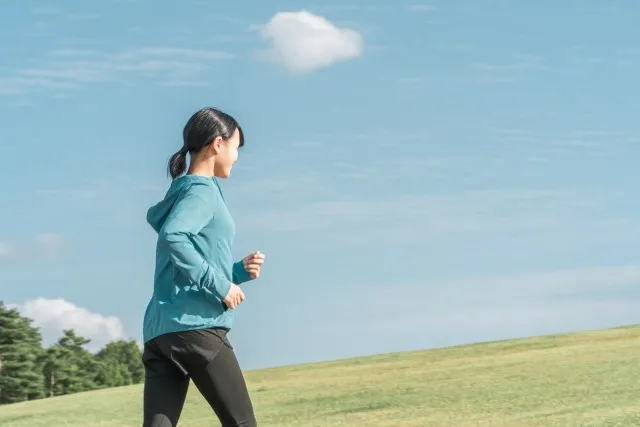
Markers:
(234, 297)
(253, 263)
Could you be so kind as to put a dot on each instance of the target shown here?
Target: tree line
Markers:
(29, 371)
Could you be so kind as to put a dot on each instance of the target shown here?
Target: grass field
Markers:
(585, 379)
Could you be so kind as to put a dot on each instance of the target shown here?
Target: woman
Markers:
(196, 282)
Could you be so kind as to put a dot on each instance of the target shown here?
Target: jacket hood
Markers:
(158, 213)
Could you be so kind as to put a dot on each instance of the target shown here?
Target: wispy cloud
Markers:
(522, 62)
(96, 200)
(454, 46)
(579, 142)
(303, 42)
(101, 189)
(491, 302)
(494, 218)
(432, 311)
(473, 211)
(583, 59)
(5, 250)
(421, 8)
(373, 8)
(494, 301)
(507, 72)
(411, 83)
(49, 243)
(44, 245)
(541, 285)
(46, 11)
(52, 12)
(70, 68)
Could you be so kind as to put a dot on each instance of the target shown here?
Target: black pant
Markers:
(206, 357)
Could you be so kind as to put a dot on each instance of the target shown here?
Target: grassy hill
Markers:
(584, 379)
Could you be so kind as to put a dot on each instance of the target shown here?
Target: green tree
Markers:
(69, 367)
(121, 363)
(20, 350)
(58, 371)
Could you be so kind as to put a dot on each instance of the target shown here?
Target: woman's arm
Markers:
(189, 215)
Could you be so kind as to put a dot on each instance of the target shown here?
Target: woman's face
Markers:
(227, 155)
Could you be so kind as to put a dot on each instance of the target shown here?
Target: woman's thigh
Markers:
(165, 389)
(208, 358)
(222, 384)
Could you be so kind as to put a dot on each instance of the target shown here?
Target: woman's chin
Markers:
(224, 174)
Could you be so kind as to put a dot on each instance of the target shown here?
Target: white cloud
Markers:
(57, 314)
(303, 42)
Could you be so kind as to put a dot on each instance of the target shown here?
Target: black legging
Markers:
(207, 358)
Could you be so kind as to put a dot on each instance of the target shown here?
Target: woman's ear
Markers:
(216, 146)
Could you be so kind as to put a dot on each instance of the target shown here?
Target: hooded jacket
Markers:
(194, 267)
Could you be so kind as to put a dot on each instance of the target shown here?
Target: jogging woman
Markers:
(196, 282)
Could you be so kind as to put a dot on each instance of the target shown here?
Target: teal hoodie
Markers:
(194, 266)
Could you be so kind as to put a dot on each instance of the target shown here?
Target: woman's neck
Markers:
(201, 168)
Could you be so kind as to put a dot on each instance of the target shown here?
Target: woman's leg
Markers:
(222, 384)
(165, 389)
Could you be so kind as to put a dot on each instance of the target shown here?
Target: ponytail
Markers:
(178, 163)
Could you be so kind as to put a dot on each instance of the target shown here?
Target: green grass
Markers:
(584, 379)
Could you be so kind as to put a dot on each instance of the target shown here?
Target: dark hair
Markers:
(200, 131)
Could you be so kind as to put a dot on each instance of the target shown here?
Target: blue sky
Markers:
(417, 175)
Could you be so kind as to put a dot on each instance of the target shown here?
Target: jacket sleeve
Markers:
(240, 275)
(194, 209)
